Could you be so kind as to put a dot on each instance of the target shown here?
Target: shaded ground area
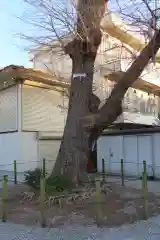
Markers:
(119, 205)
(148, 230)
(153, 186)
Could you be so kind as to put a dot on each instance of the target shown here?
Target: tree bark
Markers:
(84, 121)
(74, 149)
(76, 142)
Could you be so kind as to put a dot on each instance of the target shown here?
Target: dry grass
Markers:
(119, 205)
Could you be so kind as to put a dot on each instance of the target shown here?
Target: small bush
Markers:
(53, 184)
(32, 178)
(57, 184)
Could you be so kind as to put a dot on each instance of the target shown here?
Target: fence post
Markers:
(15, 172)
(103, 170)
(44, 167)
(98, 202)
(4, 198)
(122, 172)
(145, 189)
(42, 200)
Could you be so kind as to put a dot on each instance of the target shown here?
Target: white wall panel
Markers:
(111, 149)
(156, 154)
(49, 149)
(145, 153)
(134, 149)
(8, 109)
(9, 150)
(40, 111)
(131, 159)
(28, 151)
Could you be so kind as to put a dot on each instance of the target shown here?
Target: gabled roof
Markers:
(11, 74)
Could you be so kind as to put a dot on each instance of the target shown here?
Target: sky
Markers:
(12, 49)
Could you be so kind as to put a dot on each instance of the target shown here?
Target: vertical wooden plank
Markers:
(4, 198)
(145, 189)
(98, 202)
(143, 182)
(103, 170)
(44, 167)
(122, 172)
(15, 172)
(42, 200)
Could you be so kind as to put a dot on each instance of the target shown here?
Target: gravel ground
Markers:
(143, 230)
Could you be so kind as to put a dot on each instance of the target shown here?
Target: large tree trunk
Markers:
(83, 125)
(76, 142)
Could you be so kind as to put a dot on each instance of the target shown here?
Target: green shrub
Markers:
(32, 178)
(57, 184)
(53, 184)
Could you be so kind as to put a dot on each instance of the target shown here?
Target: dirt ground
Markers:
(119, 205)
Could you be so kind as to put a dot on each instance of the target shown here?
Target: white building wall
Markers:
(110, 54)
(9, 149)
(62, 65)
(41, 111)
(130, 155)
(28, 151)
(19, 146)
(43, 61)
(48, 149)
(8, 109)
(111, 57)
(111, 150)
(55, 62)
(156, 153)
(133, 149)
(38, 111)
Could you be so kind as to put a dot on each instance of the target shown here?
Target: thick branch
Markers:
(114, 101)
(112, 108)
(94, 103)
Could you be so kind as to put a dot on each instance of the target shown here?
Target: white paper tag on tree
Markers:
(75, 75)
